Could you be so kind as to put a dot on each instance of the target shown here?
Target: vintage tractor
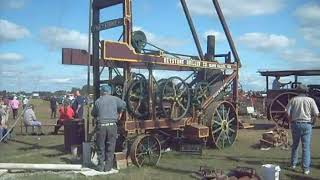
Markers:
(277, 100)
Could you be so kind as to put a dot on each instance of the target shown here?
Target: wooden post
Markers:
(127, 25)
(150, 94)
(267, 83)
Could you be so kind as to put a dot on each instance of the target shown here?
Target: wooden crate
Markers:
(196, 131)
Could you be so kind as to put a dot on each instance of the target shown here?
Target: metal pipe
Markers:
(267, 83)
(161, 49)
(211, 45)
(226, 31)
(173, 54)
(95, 54)
(193, 31)
(88, 75)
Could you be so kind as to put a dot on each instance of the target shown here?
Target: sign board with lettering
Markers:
(107, 25)
(118, 51)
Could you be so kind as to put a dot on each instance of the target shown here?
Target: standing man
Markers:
(53, 106)
(302, 112)
(107, 110)
(14, 104)
(78, 104)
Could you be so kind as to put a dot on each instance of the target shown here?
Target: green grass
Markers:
(173, 165)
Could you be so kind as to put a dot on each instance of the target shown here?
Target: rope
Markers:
(14, 124)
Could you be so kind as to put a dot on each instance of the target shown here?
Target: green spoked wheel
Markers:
(175, 98)
(145, 150)
(223, 124)
(201, 92)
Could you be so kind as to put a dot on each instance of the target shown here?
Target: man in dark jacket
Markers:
(53, 106)
(78, 105)
(107, 110)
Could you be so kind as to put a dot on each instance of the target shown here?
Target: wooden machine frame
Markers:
(199, 123)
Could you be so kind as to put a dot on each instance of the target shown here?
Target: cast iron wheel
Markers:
(117, 86)
(175, 98)
(138, 76)
(145, 150)
(118, 90)
(222, 123)
(277, 109)
(139, 40)
(137, 98)
(201, 92)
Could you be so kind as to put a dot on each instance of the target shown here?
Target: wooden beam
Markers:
(100, 4)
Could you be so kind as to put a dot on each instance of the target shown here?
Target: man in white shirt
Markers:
(276, 84)
(302, 112)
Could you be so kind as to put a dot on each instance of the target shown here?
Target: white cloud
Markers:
(10, 58)
(265, 42)
(236, 8)
(56, 38)
(309, 19)
(218, 35)
(302, 57)
(164, 42)
(309, 14)
(12, 4)
(11, 32)
(251, 81)
(60, 80)
(311, 34)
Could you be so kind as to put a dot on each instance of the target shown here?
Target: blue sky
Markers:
(269, 34)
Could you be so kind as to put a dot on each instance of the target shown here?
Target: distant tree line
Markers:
(83, 90)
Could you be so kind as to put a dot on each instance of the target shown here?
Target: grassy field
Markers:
(173, 165)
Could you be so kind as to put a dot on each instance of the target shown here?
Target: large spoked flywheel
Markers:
(137, 98)
(277, 109)
(145, 150)
(175, 98)
(223, 123)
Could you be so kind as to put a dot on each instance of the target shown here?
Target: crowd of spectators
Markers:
(70, 107)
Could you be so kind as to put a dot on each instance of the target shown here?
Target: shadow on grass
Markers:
(241, 158)
(295, 176)
(174, 170)
(263, 126)
(255, 146)
(316, 166)
(255, 161)
(35, 145)
(54, 155)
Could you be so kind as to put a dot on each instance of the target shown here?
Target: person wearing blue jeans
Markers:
(302, 112)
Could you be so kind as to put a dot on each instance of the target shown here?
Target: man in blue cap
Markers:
(106, 110)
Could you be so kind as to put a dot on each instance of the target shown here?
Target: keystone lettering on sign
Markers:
(108, 24)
